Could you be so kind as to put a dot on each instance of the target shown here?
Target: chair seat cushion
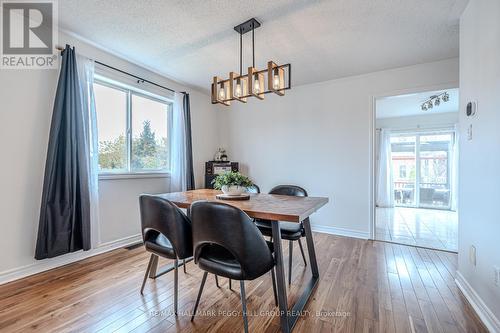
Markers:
(160, 245)
(289, 230)
(217, 260)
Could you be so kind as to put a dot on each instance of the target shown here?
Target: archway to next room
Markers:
(416, 176)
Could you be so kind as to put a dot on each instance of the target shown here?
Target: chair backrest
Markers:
(159, 215)
(292, 190)
(229, 227)
(253, 189)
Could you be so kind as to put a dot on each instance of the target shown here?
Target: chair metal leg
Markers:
(154, 267)
(147, 273)
(199, 294)
(184, 264)
(217, 281)
(244, 305)
(274, 287)
(176, 285)
(290, 254)
(230, 285)
(302, 251)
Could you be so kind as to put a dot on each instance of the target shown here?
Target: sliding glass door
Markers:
(421, 164)
(404, 169)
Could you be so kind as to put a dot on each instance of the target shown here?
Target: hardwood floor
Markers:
(364, 286)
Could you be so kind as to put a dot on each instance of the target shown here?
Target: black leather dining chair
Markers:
(227, 243)
(167, 233)
(289, 230)
(255, 189)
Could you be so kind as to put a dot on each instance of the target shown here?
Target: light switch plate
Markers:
(496, 269)
(472, 255)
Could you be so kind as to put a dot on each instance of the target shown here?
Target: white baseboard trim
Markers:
(39, 266)
(487, 316)
(340, 231)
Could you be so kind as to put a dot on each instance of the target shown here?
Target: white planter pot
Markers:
(233, 190)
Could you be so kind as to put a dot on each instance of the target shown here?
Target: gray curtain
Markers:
(64, 224)
(189, 144)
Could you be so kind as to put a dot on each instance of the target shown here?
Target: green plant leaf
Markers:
(231, 179)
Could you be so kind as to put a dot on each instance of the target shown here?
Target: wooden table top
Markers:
(265, 206)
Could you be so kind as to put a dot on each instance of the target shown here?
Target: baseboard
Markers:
(340, 231)
(39, 266)
(485, 314)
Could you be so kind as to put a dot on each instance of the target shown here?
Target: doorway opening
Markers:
(416, 159)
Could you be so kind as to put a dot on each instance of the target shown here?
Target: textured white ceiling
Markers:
(193, 40)
(410, 105)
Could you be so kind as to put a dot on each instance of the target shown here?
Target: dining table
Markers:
(275, 208)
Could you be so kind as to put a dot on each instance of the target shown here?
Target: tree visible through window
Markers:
(132, 129)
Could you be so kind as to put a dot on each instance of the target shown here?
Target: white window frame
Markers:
(131, 91)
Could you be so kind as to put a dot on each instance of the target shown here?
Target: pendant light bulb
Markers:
(222, 93)
(237, 91)
(256, 85)
(276, 80)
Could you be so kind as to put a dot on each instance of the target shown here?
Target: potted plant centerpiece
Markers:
(232, 183)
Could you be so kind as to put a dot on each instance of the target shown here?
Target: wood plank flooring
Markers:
(365, 286)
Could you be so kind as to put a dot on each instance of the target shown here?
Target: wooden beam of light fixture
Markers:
(255, 83)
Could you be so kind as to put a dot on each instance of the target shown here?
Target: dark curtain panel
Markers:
(189, 144)
(64, 224)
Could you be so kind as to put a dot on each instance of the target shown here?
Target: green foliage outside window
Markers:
(148, 152)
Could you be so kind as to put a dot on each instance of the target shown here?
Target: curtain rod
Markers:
(130, 74)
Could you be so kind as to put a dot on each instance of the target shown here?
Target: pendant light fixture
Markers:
(240, 86)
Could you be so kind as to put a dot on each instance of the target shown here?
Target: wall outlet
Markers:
(472, 255)
(496, 269)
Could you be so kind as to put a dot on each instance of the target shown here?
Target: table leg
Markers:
(309, 286)
(280, 277)
(310, 247)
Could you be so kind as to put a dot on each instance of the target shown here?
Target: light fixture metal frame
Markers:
(247, 80)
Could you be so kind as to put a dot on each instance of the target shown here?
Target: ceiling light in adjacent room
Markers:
(435, 101)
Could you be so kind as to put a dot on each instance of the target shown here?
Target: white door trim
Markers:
(372, 176)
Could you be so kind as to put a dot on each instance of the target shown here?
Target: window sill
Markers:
(137, 175)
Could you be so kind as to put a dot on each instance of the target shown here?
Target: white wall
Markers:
(479, 216)
(423, 121)
(319, 136)
(26, 100)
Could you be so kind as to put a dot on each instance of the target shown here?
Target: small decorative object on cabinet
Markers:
(214, 168)
(220, 155)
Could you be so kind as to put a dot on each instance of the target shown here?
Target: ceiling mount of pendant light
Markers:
(240, 86)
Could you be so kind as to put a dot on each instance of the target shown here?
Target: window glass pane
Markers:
(111, 107)
(404, 169)
(434, 185)
(149, 134)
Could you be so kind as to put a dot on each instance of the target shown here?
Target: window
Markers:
(423, 163)
(133, 129)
